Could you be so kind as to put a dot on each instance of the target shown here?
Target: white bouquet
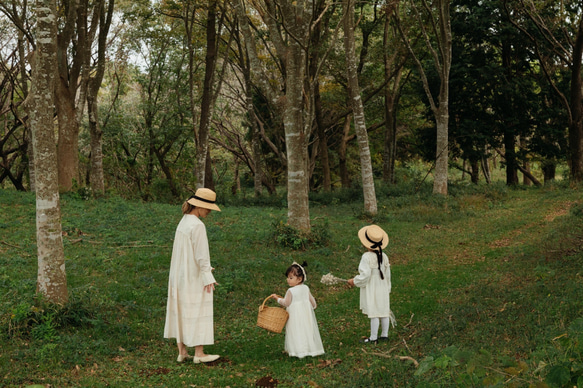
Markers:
(330, 280)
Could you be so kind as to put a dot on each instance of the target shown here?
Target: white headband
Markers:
(303, 270)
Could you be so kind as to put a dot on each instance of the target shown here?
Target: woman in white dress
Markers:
(189, 311)
(374, 281)
(302, 337)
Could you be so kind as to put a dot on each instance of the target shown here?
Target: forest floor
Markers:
(486, 287)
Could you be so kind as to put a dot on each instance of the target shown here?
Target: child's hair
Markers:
(297, 270)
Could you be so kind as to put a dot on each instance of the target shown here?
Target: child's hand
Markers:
(275, 296)
(350, 282)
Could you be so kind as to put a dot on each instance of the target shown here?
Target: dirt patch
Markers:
(266, 381)
(562, 210)
(154, 372)
(220, 361)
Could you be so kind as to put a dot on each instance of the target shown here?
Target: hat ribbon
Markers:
(379, 245)
(375, 244)
(201, 199)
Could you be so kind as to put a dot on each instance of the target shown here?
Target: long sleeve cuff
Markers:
(208, 278)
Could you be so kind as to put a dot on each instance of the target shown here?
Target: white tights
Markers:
(374, 327)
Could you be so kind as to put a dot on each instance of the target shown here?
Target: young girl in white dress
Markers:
(374, 281)
(302, 337)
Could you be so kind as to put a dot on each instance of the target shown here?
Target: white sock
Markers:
(385, 321)
(374, 328)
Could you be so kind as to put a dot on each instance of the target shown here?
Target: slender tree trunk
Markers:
(68, 143)
(344, 176)
(442, 56)
(391, 97)
(93, 86)
(370, 200)
(256, 149)
(576, 101)
(475, 165)
(96, 171)
(442, 152)
(51, 280)
(207, 96)
(486, 170)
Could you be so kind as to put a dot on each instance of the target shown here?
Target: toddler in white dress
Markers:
(302, 337)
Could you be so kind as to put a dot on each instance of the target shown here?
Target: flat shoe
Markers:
(383, 338)
(368, 341)
(207, 358)
(182, 358)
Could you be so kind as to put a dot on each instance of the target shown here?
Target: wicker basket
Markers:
(272, 318)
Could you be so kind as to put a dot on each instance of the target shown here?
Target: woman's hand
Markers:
(210, 287)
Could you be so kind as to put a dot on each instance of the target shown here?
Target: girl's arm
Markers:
(313, 301)
(285, 302)
(364, 272)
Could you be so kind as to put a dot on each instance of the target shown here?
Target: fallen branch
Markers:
(402, 358)
(10, 245)
(410, 320)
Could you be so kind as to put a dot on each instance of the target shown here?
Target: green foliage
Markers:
(287, 236)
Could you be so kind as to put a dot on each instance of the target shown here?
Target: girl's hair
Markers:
(296, 270)
(187, 208)
(380, 261)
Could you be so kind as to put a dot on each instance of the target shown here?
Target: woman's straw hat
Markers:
(373, 236)
(204, 198)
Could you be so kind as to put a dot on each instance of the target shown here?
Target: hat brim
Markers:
(367, 244)
(206, 205)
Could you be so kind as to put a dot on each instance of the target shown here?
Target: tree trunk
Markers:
(442, 151)
(391, 98)
(92, 91)
(344, 176)
(475, 171)
(202, 145)
(549, 171)
(370, 201)
(296, 142)
(51, 279)
(68, 143)
(486, 170)
(96, 171)
(442, 56)
(576, 101)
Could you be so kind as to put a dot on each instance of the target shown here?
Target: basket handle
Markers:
(263, 304)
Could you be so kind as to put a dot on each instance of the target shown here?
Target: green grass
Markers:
(487, 291)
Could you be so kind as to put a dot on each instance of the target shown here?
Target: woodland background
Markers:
(310, 119)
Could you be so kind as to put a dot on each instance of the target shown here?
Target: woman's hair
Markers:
(187, 208)
(297, 270)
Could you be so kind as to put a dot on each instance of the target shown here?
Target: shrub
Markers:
(287, 236)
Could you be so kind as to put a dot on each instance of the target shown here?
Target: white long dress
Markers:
(189, 311)
(375, 299)
(302, 337)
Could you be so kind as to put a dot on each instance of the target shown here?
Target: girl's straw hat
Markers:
(373, 237)
(204, 198)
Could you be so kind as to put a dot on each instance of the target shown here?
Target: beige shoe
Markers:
(207, 358)
(182, 358)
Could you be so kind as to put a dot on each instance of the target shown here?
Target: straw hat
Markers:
(372, 235)
(204, 198)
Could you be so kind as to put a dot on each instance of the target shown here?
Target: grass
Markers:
(487, 291)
